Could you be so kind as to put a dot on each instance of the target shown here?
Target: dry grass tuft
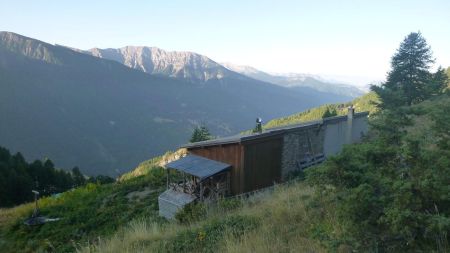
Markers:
(284, 225)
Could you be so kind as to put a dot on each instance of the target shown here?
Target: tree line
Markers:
(18, 178)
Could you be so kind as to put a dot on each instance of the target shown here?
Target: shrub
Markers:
(206, 237)
(229, 204)
(191, 212)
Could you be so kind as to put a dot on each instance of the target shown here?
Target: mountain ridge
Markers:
(295, 80)
(106, 117)
(197, 68)
(177, 64)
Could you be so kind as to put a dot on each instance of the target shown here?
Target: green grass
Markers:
(278, 221)
(154, 163)
(86, 213)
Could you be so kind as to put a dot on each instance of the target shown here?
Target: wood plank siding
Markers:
(256, 164)
(262, 163)
(232, 154)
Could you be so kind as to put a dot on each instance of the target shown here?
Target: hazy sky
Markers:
(337, 38)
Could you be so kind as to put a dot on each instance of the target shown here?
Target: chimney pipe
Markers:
(258, 125)
(350, 113)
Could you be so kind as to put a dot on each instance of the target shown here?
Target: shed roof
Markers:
(269, 132)
(198, 166)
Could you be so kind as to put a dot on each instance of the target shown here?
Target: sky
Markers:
(350, 41)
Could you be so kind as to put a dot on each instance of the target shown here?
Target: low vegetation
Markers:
(155, 163)
(267, 222)
(86, 213)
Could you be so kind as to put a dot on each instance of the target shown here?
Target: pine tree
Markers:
(407, 81)
(438, 83)
(329, 113)
(78, 177)
(201, 133)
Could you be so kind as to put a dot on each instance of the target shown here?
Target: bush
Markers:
(391, 192)
(229, 204)
(206, 237)
(191, 212)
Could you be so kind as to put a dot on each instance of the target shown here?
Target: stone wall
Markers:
(326, 137)
(300, 144)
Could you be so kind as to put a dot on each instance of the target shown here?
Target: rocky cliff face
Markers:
(181, 65)
(26, 47)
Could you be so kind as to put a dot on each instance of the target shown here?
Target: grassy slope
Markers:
(278, 221)
(156, 162)
(363, 103)
(86, 213)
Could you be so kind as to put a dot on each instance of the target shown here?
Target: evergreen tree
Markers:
(101, 179)
(438, 83)
(201, 133)
(410, 74)
(390, 192)
(78, 177)
(329, 113)
(18, 178)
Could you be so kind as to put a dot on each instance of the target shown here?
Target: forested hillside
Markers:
(18, 178)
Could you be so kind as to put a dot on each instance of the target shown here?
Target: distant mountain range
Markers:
(196, 68)
(296, 80)
(107, 113)
(182, 65)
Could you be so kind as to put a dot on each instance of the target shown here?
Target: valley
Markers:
(106, 117)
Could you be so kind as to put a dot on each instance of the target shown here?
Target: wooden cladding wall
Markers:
(262, 163)
(231, 154)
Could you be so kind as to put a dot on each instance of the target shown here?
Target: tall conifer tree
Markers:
(407, 81)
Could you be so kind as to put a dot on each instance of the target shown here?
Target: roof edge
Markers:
(269, 132)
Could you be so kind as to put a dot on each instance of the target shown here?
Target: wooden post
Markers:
(228, 190)
(201, 191)
(184, 182)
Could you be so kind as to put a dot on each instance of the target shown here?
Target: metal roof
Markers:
(176, 197)
(268, 132)
(198, 166)
(170, 202)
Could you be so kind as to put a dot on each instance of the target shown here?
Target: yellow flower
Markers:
(201, 235)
